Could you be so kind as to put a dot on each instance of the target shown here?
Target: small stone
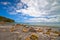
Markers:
(27, 38)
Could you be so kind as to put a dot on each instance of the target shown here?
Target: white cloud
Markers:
(13, 13)
(19, 5)
(33, 7)
(42, 20)
(4, 3)
(39, 8)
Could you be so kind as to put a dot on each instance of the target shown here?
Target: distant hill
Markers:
(4, 19)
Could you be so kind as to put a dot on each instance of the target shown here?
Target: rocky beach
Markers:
(25, 32)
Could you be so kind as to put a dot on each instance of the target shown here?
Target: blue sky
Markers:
(45, 11)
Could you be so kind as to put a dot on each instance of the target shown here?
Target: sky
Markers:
(31, 11)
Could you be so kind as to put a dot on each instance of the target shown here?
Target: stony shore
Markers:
(24, 32)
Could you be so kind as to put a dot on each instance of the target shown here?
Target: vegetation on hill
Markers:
(4, 19)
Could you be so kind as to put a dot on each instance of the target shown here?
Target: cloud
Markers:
(43, 19)
(33, 7)
(41, 10)
(4, 3)
(37, 7)
(12, 13)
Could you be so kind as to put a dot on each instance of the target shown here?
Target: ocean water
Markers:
(55, 24)
(37, 24)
